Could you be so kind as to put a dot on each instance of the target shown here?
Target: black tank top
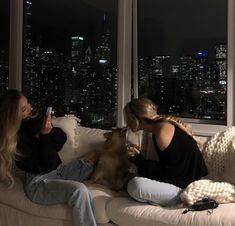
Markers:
(182, 161)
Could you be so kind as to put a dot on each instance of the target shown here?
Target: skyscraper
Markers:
(103, 50)
(77, 49)
(221, 62)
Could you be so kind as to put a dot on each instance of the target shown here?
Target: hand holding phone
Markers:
(47, 126)
(49, 111)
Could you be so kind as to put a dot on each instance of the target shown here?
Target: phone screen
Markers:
(49, 110)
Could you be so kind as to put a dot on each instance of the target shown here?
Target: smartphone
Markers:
(49, 111)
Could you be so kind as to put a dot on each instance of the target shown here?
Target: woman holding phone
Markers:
(34, 145)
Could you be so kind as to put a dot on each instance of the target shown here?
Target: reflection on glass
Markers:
(70, 58)
(4, 43)
(183, 57)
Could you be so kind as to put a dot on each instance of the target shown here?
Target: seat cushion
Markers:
(101, 196)
(127, 212)
(16, 198)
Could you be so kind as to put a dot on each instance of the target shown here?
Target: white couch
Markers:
(111, 208)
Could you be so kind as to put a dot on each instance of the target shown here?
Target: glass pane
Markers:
(183, 57)
(4, 42)
(70, 58)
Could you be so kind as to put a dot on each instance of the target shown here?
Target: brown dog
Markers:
(112, 167)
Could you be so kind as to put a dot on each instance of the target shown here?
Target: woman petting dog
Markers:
(33, 144)
(180, 160)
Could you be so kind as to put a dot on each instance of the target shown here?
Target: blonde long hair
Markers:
(144, 108)
(9, 125)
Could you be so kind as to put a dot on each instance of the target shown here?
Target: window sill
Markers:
(206, 130)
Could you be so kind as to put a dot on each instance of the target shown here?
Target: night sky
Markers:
(59, 20)
(187, 26)
(177, 27)
(4, 23)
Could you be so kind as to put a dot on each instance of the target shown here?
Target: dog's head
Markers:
(115, 138)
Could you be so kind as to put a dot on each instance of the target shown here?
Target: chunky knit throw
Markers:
(222, 192)
(219, 155)
(217, 152)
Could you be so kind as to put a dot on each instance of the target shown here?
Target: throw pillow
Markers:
(89, 139)
(69, 125)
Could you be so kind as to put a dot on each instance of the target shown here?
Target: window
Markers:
(50, 24)
(70, 58)
(4, 42)
(182, 58)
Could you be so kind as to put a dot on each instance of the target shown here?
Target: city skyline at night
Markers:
(75, 69)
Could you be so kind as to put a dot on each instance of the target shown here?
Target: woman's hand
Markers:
(132, 149)
(46, 125)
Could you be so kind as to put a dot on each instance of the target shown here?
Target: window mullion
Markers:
(15, 48)
(124, 56)
(231, 65)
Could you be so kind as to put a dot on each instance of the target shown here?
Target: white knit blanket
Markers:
(217, 151)
(222, 192)
(219, 155)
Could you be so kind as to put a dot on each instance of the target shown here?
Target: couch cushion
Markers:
(101, 196)
(80, 140)
(69, 125)
(89, 139)
(127, 212)
(16, 198)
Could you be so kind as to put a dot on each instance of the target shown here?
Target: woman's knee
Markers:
(78, 187)
(151, 191)
(78, 193)
(135, 187)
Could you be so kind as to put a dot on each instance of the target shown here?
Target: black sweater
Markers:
(180, 163)
(38, 154)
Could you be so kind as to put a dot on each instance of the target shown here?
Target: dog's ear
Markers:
(124, 131)
(108, 135)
